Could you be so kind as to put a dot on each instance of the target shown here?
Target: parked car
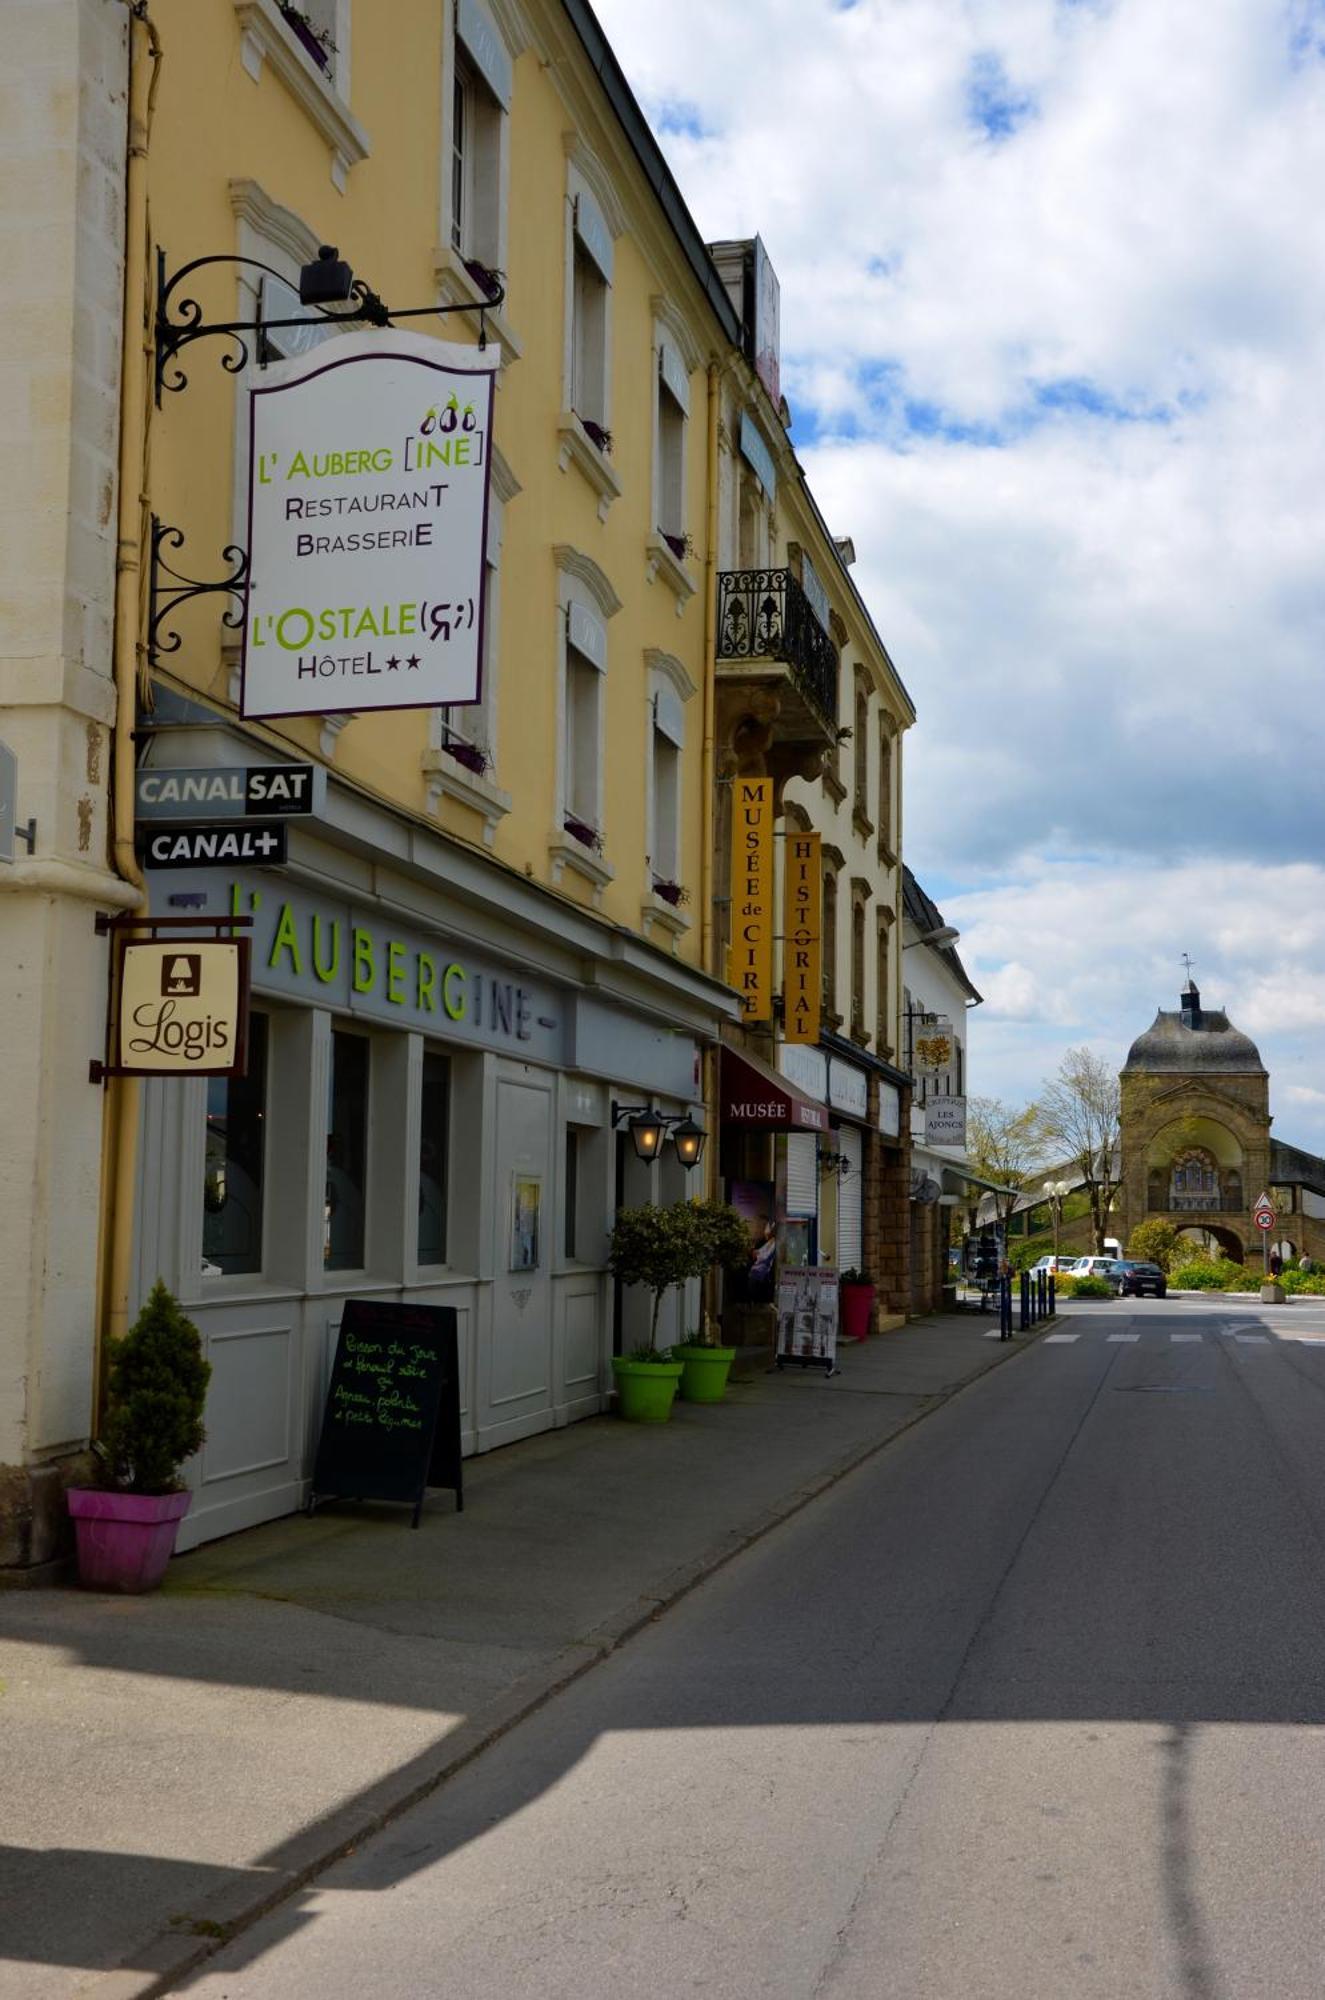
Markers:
(1138, 1280)
(1057, 1264)
(1093, 1267)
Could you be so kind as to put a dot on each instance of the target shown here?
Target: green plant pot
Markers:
(645, 1390)
(704, 1372)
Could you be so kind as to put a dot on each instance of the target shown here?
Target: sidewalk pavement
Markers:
(174, 1765)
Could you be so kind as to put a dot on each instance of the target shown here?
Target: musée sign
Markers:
(368, 499)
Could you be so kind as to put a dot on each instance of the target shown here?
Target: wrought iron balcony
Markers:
(765, 616)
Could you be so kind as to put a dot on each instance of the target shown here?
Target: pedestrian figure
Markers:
(1305, 1264)
(1276, 1263)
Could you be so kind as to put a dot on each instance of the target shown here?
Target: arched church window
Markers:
(1194, 1181)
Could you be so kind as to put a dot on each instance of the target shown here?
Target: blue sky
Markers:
(1053, 298)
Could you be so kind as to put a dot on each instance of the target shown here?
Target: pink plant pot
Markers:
(857, 1305)
(124, 1540)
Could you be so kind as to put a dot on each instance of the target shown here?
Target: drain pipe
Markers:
(120, 1127)
(709, 819)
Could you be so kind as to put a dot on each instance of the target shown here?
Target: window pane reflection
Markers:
(347, 1154)
(232, 1173)
(434, 1126)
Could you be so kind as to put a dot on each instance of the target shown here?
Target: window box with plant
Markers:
(156, 1390)
(671, 892)
(472, 755)
(580, 829)
(316, 42)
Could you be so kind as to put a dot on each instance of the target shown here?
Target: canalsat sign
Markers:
(259, 791)
(367, 510)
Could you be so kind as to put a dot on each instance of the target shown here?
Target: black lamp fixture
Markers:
(649, 1128)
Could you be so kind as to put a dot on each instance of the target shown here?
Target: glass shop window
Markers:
(232, 1186)
(434, 1149)
(347, 1154)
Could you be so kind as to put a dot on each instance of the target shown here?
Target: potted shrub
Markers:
(722, 1239)
(659, 1248)
(856, 1295)
(156, 1389)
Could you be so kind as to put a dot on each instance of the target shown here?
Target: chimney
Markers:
(1191, 1005)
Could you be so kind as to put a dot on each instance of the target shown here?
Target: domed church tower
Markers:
(1195, 1127)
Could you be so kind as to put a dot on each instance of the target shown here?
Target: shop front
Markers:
(436, 1050)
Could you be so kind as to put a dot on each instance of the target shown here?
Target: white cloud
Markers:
(1065, 386)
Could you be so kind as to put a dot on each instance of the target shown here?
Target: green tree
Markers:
(1004, 1146)
(1081, 1109)
(661, 1247)
(1157, 1242)
(156, 1388)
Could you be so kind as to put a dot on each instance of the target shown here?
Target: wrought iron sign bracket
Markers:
(167, 589)
(179, 319)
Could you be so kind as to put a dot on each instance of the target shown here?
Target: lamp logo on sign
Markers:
(368, 494)
(181, 1010)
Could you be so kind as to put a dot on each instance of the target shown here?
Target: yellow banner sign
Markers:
(182, 1008)
(751, 958)
(802, 938)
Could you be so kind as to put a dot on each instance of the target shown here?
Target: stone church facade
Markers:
(1196, 1144)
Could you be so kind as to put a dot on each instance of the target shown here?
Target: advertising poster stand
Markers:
(807, 1318)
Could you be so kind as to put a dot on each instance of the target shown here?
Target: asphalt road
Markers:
(1029, 1706)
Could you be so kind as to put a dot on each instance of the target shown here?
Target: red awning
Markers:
(754, 1094)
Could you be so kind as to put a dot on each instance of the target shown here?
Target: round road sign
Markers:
(1264, 1218)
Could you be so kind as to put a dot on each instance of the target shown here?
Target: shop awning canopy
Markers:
(754, 1094)
(956, 1180)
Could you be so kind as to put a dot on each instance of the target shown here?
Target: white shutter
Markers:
(802, 1174)
(850, 1203)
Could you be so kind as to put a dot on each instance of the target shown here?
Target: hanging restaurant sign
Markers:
(802, 949)
(933, 1043)
(751, 958)
(367, 511)
(178, 1003)
(945, 1121)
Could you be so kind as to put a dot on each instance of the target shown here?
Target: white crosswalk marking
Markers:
(1060, 1339)
(1186, 1336)
(1124, 1336)
(1253, 1339)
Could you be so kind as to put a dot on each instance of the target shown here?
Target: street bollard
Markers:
(1044, 1296)
(1053, 1289)
(1005, 1308)
(1025, 1301)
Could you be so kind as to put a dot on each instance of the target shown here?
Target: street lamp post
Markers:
(1056, 1190)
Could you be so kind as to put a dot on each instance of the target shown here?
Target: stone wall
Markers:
(63, 98)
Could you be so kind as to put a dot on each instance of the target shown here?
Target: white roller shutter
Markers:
(802, 1174)
(850, 1201)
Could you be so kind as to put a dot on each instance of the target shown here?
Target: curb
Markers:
(171, 1955)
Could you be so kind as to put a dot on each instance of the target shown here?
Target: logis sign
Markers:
(182, 1007)
(368, 497)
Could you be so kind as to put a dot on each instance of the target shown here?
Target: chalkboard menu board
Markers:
(391, 1427)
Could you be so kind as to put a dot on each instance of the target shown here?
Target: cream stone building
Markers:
(548, 859)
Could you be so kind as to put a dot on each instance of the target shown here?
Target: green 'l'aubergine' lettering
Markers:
(395, 973)
(286, 939)
(427, 991)
(365, 969)
(326, 973)
(454, 1003)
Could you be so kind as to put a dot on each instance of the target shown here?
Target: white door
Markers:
(850, 1205)
(517, 1393)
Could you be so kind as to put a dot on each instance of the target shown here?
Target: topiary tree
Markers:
(1156, 1242)
(156, 1389)
(661, 1247)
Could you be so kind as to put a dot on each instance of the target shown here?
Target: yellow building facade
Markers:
(505, 922)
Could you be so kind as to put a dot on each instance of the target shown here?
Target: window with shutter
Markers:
(850, 1201)
(802, 1174)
